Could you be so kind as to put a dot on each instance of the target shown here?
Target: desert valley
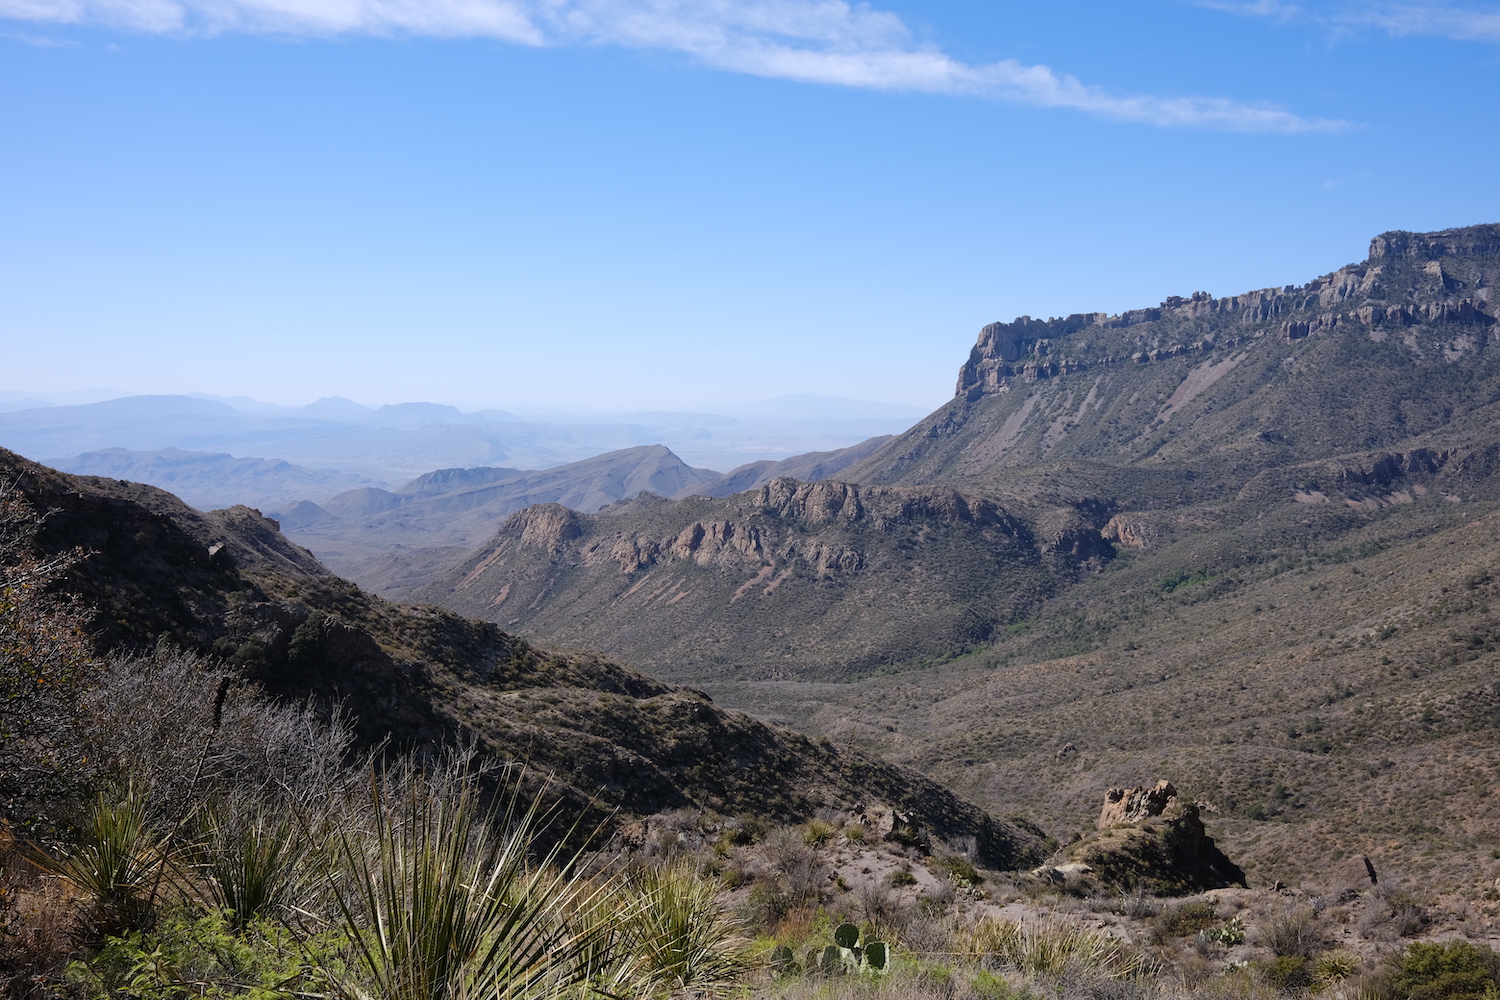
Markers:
(1159, 661)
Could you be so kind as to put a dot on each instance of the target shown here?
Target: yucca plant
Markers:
(680, 934)
(250, 867)
(443, 901)
(118, 861)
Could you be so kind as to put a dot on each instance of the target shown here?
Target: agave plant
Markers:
(443, 900)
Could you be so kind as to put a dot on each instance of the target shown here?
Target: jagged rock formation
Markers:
(1148, 839)
(228, 583)
(777, 581)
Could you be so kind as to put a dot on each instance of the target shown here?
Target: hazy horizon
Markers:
(607, 202)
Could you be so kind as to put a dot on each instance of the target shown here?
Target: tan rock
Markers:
(1132, 805)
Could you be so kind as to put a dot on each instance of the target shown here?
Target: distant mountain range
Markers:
(389, 445)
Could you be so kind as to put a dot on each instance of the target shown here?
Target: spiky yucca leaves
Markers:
(251, 866)
(681, 936)
(118, 861)
(444, 902)
(1049, 948)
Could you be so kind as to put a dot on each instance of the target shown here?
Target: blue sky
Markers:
(656, 203)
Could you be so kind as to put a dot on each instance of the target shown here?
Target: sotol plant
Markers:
(447, 901)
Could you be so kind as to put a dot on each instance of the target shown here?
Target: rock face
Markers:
(1270, 377)
(1133, 805)
(1149, 839)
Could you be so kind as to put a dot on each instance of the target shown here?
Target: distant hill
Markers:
(790, 580)
(808, 468)
(209, 481)
(228, 583)
(381, 538)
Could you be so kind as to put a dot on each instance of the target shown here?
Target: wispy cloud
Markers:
(817, 41)
(1435, 19)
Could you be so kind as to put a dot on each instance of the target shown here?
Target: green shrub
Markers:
(1288, 972)
(1196, 917)
(1454, 970)
(960, 871)
(201, 955)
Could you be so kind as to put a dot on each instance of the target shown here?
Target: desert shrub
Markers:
(960, 871)
(1293, 933)
(46, 663)
(182, 727)
(199, 954)
(1183, 920)
(1455, 970)
(900, 878)
(1288, 972)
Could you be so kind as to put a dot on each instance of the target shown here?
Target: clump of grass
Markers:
(1051, 948)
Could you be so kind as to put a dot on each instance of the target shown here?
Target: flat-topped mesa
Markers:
(1410, 279)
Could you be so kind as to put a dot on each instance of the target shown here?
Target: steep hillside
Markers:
(791, 579)
(381, 539)
(228, 583)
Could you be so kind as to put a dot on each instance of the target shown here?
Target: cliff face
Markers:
(1409, 280)
(1377, 354)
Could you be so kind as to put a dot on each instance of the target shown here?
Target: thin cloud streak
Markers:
(813, 41)
(1438, 20)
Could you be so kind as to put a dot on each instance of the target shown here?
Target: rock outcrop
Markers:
(1151, 840)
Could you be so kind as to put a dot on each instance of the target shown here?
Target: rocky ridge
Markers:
(777, 579)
